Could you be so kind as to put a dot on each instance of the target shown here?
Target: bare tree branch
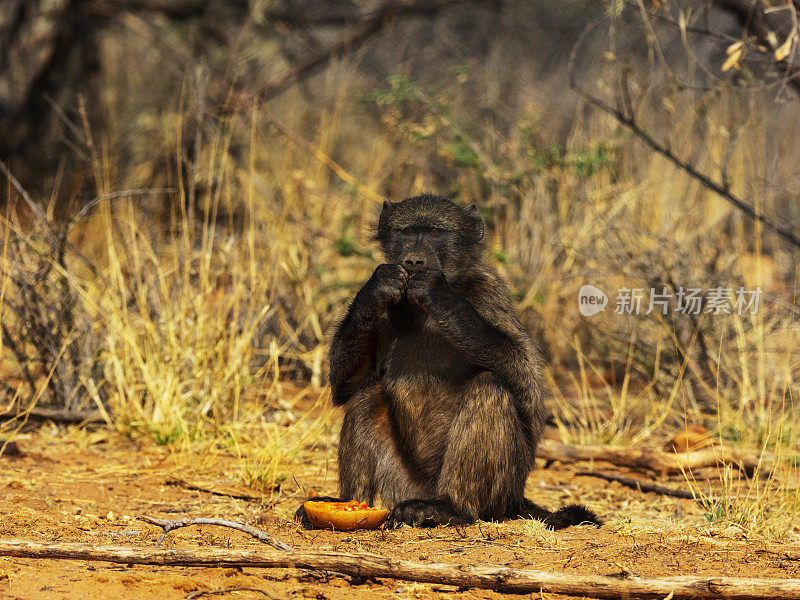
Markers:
(169, 524)
(350, 42)
(173, 9)
(35, 209)
(630, 122)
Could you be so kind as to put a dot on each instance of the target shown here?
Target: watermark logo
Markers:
(591, 300)
(688, 301)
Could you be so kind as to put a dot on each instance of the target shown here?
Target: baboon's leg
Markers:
(371, 463)
(488, 458)
(485, 465)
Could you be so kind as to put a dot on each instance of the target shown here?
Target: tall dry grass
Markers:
(211, 297)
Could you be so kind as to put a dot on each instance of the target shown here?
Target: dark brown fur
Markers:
(440, 381)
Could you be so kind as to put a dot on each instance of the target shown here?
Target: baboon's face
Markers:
(431, 232)
(417, 247)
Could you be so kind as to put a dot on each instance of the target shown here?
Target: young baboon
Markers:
(440, 382)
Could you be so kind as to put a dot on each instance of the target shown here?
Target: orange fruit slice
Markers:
(344, 516)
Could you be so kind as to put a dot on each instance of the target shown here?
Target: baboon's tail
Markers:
(566, 516)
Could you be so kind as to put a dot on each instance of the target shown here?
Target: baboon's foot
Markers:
(426, 513)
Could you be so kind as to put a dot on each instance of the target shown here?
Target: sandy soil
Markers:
(88, 487)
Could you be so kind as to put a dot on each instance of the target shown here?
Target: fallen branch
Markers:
(177, 481)
(638, 484)
(493, 577)
(56, 415)
(169, 524)
(651, 460)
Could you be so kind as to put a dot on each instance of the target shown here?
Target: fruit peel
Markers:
(344, 516)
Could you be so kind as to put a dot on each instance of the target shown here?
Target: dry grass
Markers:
(212, 296)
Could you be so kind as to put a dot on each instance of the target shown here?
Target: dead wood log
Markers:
(652, 460)
(493, 577)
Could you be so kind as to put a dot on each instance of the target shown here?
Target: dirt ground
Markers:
(89, 487)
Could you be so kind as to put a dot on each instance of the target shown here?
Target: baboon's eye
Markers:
(433, 231)
(407, 230)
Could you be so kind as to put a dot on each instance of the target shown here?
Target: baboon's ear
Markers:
(475, 214)
(386, 209)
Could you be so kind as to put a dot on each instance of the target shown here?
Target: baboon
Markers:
(440, 382)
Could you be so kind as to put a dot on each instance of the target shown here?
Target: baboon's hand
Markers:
(387, 286)
(422, 284)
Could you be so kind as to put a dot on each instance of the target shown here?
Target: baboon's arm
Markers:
(353, 351)
(485, 327)
(480, 321)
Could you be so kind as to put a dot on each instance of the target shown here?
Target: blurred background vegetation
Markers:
(189, 188)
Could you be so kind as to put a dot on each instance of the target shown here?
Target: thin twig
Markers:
(35, 208)
(173, 480)
(223, 591)
(64, 244)
(351, 41)
(295, 137)
(58, 245)
(120, 194)
(168, 525)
